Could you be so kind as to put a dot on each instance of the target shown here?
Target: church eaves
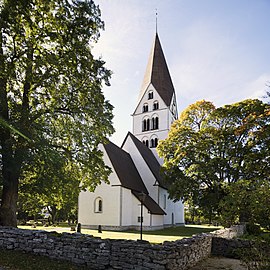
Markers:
(158, 74)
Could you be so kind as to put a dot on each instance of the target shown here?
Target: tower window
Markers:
(155, 105)
(145, 108)
(146, 142)
(146, 125)
(150, 95)
(154, 123)
(154, 143)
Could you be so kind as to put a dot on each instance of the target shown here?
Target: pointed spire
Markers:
(158, 74)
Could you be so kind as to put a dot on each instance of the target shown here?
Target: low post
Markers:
(142, 197)
(79, 228)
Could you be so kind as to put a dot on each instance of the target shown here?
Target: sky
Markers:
(217, 50)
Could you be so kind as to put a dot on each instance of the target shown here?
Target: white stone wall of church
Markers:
(163, 125)
(180, 213)
(127, 207)
(150, 102)
(161, 112)
(110, 214)
(157, 221)
(177, 209)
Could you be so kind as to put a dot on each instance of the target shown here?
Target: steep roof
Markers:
(158, 74)
(149, 158)
(129, 176)
(125, 168)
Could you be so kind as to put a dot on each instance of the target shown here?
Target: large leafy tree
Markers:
(50, 92)
(209, 149)
(50, 182)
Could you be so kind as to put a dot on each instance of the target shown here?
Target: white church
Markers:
(135, 165)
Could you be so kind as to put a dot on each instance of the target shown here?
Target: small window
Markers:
(154, 124)
(154, 143)
(145, 108)
(165, 202)
(155, 105)
(146, 142)
(150, 95)
(98, 205)
(146, 125)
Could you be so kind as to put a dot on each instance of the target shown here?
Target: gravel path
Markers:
(219, 263)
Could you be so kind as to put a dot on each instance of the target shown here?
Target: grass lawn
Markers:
(17, 260)
(168, 234)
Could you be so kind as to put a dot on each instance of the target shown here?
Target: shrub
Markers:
(257, 257)
(253, 229)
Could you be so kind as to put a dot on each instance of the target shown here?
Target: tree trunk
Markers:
(8, 209)
(52, 211)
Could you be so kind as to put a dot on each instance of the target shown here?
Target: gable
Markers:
(145, 100)
(124, 168)
(149, 159)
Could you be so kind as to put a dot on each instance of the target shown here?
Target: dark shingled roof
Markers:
(125, 168)
(158, 74)
(129, 176)
(149, 203)
(150, 159)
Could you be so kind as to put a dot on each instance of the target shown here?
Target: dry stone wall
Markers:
(98, 253)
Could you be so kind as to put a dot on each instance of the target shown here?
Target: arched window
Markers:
(164, 201)
(153, 142)
(98, 205)
(150, 95)
(155, 106)
(145, 107)
(146, 142)
(154, 124)
(146, 124)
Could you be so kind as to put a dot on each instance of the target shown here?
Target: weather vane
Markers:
(156, 19)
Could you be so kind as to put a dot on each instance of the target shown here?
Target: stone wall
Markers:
(229, 247)
(97, 253)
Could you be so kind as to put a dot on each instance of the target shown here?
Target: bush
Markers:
(253, 229)
(257, 256)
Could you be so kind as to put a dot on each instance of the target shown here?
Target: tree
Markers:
(209, 149)
(50, 91)
(49, 182)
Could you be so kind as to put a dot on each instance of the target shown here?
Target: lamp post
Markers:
(142, 197)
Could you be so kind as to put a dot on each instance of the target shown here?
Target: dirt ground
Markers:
(215, 263)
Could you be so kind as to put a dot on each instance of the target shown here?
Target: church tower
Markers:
(156, 108)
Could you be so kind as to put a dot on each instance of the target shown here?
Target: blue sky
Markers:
(218, 50)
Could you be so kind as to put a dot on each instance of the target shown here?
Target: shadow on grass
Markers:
(184, 231)
(18, 260)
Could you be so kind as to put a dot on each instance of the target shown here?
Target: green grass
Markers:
(184, 231)
(156, 237)
(17, 260)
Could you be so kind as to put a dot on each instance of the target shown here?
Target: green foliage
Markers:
(50, 92)
(253, 229)
(249, 200)
(256, 257)
(219, 159)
